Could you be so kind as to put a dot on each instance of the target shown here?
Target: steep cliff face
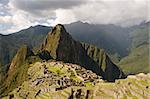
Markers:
(20, 57)
(110, 70)
(62, 46)
(17, 71)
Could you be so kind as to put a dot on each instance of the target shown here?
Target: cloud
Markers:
(15, 22)
(5, 19)
(45, 4)
(125, 12)
(24, 13)
(41, 7)
(65, 16)
(19, 14)
(4, 1)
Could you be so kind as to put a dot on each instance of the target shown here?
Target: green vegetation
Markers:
(33, 37)
(138, 59)
(51, 43)
(89, 84)
(60, 71)
(64, 71)
(17, 72)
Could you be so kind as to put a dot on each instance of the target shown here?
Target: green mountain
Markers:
(59, 46)
(138, 59)
(109, 37)
(17, 71)
(115, 40)
(9, 44)
(103, 36)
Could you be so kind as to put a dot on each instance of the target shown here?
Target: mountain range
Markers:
(95, 48)
(102, 36)
(138, 59)
(59, 46)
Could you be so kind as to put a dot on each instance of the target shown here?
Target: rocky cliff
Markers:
(61, 46)
(110, 70)
(17, 71)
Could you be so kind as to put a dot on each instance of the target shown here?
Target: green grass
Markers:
(88, 84)
(58, 70)
(137, 61)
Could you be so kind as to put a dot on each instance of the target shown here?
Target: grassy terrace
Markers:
(41, 87)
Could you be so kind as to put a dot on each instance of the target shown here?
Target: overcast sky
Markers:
(19, 14)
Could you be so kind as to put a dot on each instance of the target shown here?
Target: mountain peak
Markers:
(57, 37)
(59, 45)
(59, 29)
(60, 26)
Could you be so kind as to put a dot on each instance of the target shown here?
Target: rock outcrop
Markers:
(17, 71)
(61, 46)
(110, 70)
(23, 53)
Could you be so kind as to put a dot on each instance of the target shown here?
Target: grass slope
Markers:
(138, 59)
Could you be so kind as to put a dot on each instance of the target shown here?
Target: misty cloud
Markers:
(24, 13)
(35, 6)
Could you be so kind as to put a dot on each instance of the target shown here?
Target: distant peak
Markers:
(79, 22)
